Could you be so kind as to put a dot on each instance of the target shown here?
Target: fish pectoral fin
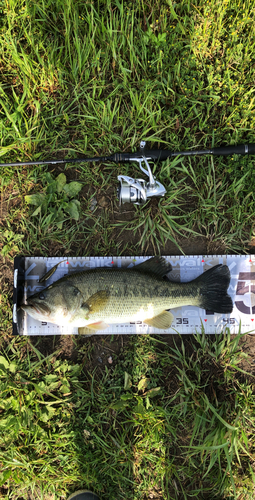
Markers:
(97, 301)
(163, 320)
(85, 331)
(90, 330)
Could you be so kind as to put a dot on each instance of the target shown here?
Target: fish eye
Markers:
(42, 296)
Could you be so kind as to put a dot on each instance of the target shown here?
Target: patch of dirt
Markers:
(248, 347)
(6, 273)
(64, 345)
(105, 351)
(97, 350)
(251, 245)
(6, 203)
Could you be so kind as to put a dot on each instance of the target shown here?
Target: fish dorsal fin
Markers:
(97, 301)
(163, 320)
(155, 265)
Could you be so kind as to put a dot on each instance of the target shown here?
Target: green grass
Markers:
(93, 78)
(157, 421)
(98, 77)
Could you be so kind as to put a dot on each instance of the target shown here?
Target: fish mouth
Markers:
(36, 308)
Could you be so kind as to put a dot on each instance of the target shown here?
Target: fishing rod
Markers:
(137, 191)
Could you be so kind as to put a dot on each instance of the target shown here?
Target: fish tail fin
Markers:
(213, 285)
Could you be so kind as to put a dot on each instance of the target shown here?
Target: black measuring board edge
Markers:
(18, 290)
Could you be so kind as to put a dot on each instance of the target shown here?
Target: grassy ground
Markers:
(145, 419)
(93, 78)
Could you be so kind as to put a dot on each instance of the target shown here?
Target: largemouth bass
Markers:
(95, 298)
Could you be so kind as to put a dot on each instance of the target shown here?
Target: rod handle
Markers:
(243, 149)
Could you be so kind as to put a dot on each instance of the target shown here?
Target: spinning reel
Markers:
(138, 190)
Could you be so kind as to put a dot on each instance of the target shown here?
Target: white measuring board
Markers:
(188, 319)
